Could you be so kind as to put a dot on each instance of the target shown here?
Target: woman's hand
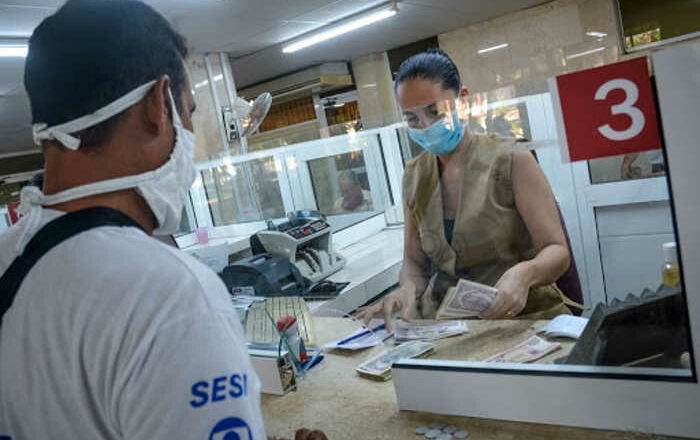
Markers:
(513, 289)
(401, 299)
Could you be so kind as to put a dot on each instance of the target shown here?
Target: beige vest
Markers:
(489, 235)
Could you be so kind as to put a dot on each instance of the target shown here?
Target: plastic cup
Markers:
(202, 235)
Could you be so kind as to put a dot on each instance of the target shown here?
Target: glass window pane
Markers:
(243, 192)
(629, 236)
(627, 167)
(208, 141)
(341, 184)
(650, 21)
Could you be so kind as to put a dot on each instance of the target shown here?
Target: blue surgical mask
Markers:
(439, 138)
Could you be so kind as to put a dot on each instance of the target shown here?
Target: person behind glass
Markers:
(474, 209)
(354, 199)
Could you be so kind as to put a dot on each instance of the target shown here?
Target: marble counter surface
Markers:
(334, 398)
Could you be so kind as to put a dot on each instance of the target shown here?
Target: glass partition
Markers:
(341, 184)
(344, 177)
(243, 192)
(627, 167)
(618, 301)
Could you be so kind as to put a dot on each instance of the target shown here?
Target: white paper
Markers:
(369, 340)
(245, 301)
(565, 326)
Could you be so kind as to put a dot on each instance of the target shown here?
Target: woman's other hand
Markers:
(513, 289)
(402, 299)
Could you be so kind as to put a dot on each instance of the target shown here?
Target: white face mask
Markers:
(164, 189)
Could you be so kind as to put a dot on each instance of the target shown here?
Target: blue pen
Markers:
(361, 334)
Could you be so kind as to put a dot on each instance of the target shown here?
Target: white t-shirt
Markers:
(114, 335)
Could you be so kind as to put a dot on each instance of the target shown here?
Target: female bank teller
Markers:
(474, 209)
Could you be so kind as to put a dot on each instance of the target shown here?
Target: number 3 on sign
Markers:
(626, 107)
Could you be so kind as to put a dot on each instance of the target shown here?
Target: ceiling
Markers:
(251, 31)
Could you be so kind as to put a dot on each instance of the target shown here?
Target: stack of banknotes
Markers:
(404, 331)
(379, 367)
(466, 300)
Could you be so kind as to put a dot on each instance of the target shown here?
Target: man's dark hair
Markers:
(433, 65)
(91, 52)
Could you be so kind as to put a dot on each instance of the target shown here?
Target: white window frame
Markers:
(640, 399)
(295, 184)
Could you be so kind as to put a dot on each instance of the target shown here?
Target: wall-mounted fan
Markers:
(244, 118)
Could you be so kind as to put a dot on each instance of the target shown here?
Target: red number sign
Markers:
(609, 110)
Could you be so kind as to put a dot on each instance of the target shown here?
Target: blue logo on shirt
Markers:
(219, 389)
(231, 428)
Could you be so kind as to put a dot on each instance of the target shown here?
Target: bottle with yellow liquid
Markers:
(670, 271)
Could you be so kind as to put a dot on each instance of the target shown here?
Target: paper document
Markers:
(529, 351)
(244, 301)
(379, 367)
(428, 332)
(465, 300)
(368, 340)
(565, 326)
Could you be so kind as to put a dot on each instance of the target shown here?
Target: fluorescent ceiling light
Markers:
(340, 29)
(492, 48)
(596, 34)
(205, 82)
(584, 53)
(14, 50)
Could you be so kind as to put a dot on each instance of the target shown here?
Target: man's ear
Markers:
(158, 106)
(463, 91)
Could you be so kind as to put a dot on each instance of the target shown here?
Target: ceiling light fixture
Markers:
(584, 53)
(492, 48)
(596, 34)
(205, 82)
(342, 28)
(14, 50)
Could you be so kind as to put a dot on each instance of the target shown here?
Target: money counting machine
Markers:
(305, 240)
(291, 258)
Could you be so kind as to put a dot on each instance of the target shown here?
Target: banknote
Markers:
(528, 351)
(380, 365)
(404, 331)
(467, 299)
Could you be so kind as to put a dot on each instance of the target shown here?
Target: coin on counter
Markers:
(433, 433)
(461, 434)
(438, 425)
(444, 437)
(421, 430)
(449, 429)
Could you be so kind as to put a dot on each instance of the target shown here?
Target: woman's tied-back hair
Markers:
(433, 65)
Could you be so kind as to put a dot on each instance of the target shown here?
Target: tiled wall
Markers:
(543, 41)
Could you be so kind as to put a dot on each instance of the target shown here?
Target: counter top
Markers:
(335, 399)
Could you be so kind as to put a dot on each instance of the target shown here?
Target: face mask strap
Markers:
(62, 132)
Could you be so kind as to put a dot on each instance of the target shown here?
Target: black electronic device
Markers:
(646, 330)
(264, 275)
(305, 240)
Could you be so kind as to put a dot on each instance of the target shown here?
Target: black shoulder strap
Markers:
(52, 234)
